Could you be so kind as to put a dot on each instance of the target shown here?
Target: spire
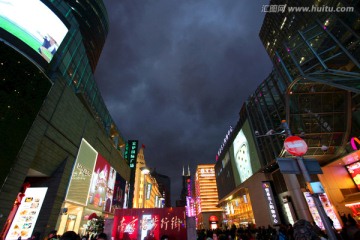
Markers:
(188, 170)
(183, 171)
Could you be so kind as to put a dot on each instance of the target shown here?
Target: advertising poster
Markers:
(137, 223)
(110, 190)
(39, 28)
(99, 184)
(354, 171)
(120, 196)
(329, 210)
(244, 155)
(27, 214)
(81, 176)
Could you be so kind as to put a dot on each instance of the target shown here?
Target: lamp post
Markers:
(144, 171)
(307, 178)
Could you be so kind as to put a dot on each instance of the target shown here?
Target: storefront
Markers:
(95, 189)
(341, 182)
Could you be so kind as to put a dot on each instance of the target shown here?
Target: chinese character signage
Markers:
(275, 219)
(81, 176)
(137, 223)
(133, 146)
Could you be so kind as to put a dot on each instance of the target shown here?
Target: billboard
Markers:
(35, 24)
(95, 183)
(139, 222)
(26, 216)
(82, 172)
(354, 171)
(244, 157)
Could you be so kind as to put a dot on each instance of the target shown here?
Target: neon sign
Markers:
(352, 141)
(224, 142)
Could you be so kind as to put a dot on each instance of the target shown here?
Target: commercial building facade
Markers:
(52, 108)
(314, 86)
(208, 215)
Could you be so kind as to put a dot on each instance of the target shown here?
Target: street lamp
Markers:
(144, 171)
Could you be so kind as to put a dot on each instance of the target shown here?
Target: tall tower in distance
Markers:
(186, 188)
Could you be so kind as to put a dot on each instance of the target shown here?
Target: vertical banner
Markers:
(26, 216)
(132, 154)
(81, 176)
(98, 186)
(120, 193)
(110, 190)
(269, 196)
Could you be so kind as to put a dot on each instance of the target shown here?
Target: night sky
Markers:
(175, 73)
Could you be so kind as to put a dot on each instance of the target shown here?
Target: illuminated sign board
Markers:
(228, 134)
(33, 23)
(275, 219)
(27, 214)
(353, 144)
(148, 191)
(328, 208)
(158, 221)
(131, 156)
(207, 172)
(133, 146)
(99, 186)
(354, 171)
(81, 176)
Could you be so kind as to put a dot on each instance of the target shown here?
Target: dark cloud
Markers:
(174, 75)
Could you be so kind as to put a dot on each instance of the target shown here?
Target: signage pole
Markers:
(307, 178)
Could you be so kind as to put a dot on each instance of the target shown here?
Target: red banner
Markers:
(137, 223)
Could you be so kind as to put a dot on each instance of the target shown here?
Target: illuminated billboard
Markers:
(95, 183)
(354, 171)
(26, 216)
(33, 23)
(81, 176)
(244, 157)
(136, 223)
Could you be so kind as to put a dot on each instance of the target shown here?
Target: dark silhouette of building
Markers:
(186, 181)
(164, 183)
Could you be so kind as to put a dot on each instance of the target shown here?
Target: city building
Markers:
(208, 215)
(62, 154)
(164, 183)
(314, 86)
(185, 190)
(147, 193)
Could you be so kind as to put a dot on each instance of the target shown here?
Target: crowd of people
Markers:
(301, 230)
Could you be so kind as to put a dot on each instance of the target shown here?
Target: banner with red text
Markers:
(137, 223)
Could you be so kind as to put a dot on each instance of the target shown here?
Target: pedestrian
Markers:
(101, 236)
(70, 235)
(52, 235)
(304, 230)
(164, 237)
(351, 220)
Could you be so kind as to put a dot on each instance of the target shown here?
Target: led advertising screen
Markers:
(81, 176)
(25, 218)
(244, 156)
(99, 184)
(121, 193)
(354, 171)
(33, 23)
